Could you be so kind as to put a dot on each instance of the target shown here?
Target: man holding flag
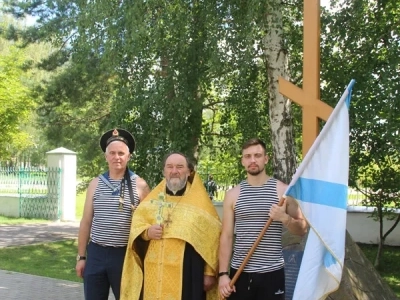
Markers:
(319, 187)
(247, 207)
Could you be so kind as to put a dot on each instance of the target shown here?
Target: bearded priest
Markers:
(173, 245)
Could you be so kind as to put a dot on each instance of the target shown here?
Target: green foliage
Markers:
(190, 76)
(15, 103)
(181, 76)
(361, 42)
(30, 151)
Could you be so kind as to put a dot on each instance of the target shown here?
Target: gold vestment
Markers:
(190, 218)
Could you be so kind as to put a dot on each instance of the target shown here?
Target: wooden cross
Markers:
(161, 202)
(309, 96)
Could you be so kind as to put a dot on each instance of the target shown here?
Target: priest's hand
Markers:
(209, 282)
(225, 290)
(155, 232)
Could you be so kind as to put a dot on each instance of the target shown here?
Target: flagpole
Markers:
(253, 248)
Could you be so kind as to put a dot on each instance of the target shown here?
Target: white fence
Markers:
(362, 228)
(365, 229)
(59, 158)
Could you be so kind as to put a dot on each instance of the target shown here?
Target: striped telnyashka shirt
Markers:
(251, 214)
(111, 226)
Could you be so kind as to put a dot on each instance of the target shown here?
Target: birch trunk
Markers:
(283, 156)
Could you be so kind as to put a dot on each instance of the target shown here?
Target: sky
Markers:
(325, 2)
(31, 20)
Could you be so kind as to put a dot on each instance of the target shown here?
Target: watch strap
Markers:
(222, 274)
(79, 257)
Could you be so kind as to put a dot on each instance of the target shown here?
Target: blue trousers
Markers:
(103, 269)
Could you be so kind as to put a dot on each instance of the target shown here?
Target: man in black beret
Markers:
(104, 229)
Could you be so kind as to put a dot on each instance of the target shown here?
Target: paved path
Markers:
(26, 234)
(21, 286)
(18, 286)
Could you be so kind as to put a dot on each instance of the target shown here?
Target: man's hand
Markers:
(209, 282)
(225, 290)
(278, 213)
(155, 232)
(80, 267)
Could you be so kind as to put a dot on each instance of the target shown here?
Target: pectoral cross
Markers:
(161, 202)
(168, 220)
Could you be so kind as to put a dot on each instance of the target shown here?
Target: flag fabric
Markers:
(320, 187)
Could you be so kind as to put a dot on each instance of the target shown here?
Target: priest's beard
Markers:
(176, 184)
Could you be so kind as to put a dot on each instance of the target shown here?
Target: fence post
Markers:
(19, 192)
(65, 160)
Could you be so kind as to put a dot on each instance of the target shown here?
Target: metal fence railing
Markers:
(38, 191)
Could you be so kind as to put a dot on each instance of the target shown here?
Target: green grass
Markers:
(389, 264)
(80, 203)
(16, 221)
(55, 260)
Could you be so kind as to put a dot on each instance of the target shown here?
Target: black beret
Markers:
(117, 134)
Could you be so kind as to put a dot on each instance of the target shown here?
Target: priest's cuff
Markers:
(145, 235)
(208, 270)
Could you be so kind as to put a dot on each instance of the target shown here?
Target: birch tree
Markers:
(276, 60)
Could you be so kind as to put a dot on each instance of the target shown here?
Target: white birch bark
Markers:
(283, 156)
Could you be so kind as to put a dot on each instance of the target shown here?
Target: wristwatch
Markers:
(79, 257)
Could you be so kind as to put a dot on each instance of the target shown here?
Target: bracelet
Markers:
(222, 274)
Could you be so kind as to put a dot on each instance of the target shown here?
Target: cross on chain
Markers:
(161, 202)
(309, 96)
(168, 220)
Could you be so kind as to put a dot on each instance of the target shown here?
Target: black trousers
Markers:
(259, 286)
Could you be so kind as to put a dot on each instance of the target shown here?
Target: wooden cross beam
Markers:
(309, 97)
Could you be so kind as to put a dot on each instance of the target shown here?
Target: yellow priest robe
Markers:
(190, 218)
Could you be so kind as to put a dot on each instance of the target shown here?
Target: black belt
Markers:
(108, 246)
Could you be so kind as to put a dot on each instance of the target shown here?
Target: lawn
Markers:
(15, 221)
(80, 202)
(55, 260)
(390, 264)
